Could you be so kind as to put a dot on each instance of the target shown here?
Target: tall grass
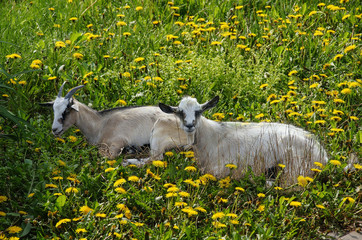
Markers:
(294, 62)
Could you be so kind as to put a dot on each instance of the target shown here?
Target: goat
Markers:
(262, 146)
(112, 130)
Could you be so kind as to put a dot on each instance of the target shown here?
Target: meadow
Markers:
(295, 62)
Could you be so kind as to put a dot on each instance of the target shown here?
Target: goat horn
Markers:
(60, 93)
(72, 91)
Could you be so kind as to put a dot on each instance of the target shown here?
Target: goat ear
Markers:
(167, 109)
(46, 104)
(210, 104)
(75, 106)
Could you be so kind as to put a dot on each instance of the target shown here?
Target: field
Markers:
(295, 62)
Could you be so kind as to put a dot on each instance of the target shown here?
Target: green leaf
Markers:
(26, 230)
(61, 200)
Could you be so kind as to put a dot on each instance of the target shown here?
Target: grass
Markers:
(293, 62)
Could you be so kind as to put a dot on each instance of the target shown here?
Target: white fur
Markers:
(259, 145)
(111, 131)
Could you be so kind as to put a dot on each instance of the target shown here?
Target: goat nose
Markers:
(189, 126)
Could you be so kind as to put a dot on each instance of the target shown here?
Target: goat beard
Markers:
(190, 139)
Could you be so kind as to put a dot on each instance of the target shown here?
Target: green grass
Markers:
(265, 63)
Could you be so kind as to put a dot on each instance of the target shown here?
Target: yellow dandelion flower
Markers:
(335, 162)
(346, 91)
(231, 166)
(240, 189)
(14, 229)
(158, 163)
(302, 181)
(101, 215)
(316, 170)
(278, 188)
(261, 195)
(320, 206)
(62, 221)
(139, 8)
(337, 57)
(200, 209)
(169, 154)
(171, 194)
(4, 198)
(78, 56)
(80, 230)
(357, 166)
(214, 43)
(349, 199)
(120, 181)
(293, 72)
(139, 59)
(295, 204)
(259, 115)
(319, 164)
(190, 169)
(218, 215)
(261, 208)
(109, 169)
(184, 194)
(50, 186)
(2, 214)
(71, 190)
(263, 85)
(133, 179)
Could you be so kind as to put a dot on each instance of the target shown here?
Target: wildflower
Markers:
(2, 214)
(65, 220)
(171, 194)
(133, 179)
(223, 200)
(180, 204)
(158, 79)
(295, 204)
(139, 8)
(139, 59)
(23, 213)
(122, 102)
(190, 169)
(292, 73)
(3, 199)
(161, 164)
(85, 210)
(278, 188)
(191, 212)
(218, 215)
(214, 43)
(259, 115)
(316, 170)
(357, 166)
(320, 206)
(349, 48)
(101, 215)
(238, 7)
(231, 166)
(121, 23)
(261, 195)
(281, 165)
(335, 162)
(71, 190)
(50, 186)
(14, 229)
(78, 56)
(346, 91)
(351, 200)
(80, 230)
(240, 189)
(13, 56)
(337, 57)
(320, 122)
(31, 195)
(261, 208)
(73, 19)
(263, 85)
(72, 139)
(120, 181)
(354, 118)
(224, 183)
(200, 209)
(59, 44)
(184, 194)
(109, 169)
(169, 154)
(218, 116)
(233, 221)
(218, 225)
(319, 164)
(302, 181)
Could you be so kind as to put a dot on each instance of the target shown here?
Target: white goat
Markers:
(262, 146)
(112, 129)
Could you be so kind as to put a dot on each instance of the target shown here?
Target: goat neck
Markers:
(88, 121)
